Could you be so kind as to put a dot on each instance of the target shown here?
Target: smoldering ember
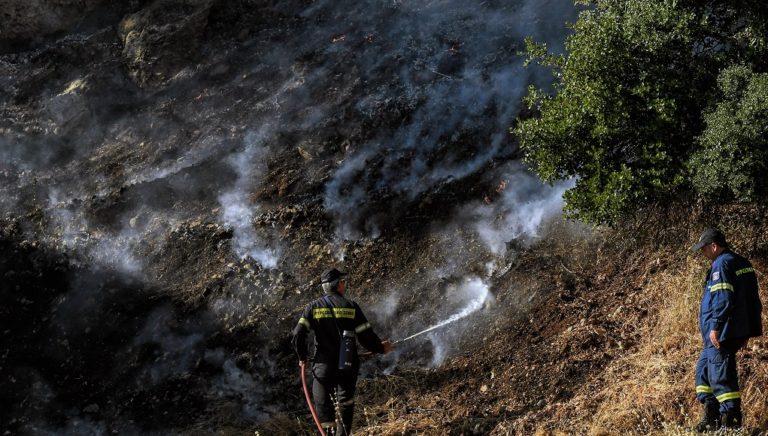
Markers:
(176, 175)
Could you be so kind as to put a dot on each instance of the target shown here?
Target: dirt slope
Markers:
(176, 173)
(609, 348)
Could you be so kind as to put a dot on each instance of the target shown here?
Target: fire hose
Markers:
(309, 399)
(306, 389)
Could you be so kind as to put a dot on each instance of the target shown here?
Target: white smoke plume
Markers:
(459, 85)
(385, 308)
(69, 228)
(525, 204)
(206, 148)
(473, 295)
(518, 213)
(238, 211)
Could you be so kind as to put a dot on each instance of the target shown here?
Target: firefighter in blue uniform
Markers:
(730, 314)
(335, 319)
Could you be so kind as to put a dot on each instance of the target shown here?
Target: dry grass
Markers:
(647, 320)
(651, 390)
(392, 413)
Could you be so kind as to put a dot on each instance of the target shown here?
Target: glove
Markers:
(388, 346)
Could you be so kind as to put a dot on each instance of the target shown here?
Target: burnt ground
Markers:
(537, 360)
(555, 366)
(175, 175)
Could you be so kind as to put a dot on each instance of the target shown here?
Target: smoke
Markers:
(471, 295)
(457, 304)
(101, 249)
(240, 385)
(250, 166)
(237, 211)
(207, 147)
(71, 229)
(175, 346)
(386, 307)
(392, 100)
(19, 153)
(524, 205)
(514, 214)
(75, 426)
(456, 85)
(237, 383)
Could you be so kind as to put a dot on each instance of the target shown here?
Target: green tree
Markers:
(630, 97)
(732, 160)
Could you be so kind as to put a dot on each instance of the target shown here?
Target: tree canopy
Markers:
(653, 98)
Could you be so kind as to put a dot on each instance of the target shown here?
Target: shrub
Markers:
(734, 146)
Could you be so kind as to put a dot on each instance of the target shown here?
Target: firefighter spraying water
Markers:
(336, 322)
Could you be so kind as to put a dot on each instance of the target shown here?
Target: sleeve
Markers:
(365, 334)
(723, 280)
(300, 333)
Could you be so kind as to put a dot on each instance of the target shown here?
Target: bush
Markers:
(734, 146)
(627, 115)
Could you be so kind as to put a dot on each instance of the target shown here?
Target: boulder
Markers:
(162, 39)
(70, 106)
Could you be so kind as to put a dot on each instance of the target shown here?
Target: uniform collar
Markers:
(727, 250)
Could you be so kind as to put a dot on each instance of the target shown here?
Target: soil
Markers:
(127, 306)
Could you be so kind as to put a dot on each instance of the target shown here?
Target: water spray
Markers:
(474, 305)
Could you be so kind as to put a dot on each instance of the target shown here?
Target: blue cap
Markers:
(709, 236)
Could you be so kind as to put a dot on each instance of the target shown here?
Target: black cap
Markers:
(331, 275)
(709, 236)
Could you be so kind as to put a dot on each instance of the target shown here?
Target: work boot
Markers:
(711, 419)
(329, 430)
(731, 419)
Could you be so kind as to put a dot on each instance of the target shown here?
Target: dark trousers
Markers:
(331, 386)
(717, 381)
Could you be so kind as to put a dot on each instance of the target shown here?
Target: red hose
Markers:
(309, 400)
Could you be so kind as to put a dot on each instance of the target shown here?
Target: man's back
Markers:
(329, 316)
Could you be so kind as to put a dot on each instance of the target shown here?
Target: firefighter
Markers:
(730, 314)
(336, 321)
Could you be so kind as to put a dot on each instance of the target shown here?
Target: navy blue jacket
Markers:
(731, 303)
(327, 321)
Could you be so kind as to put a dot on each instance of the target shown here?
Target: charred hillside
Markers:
(175, 174)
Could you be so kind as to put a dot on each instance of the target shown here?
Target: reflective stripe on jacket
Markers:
(328, 321)
(731, 303)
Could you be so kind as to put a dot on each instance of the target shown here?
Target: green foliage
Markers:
(732, 160)
(630, 99)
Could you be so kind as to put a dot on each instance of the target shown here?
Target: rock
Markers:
(304, 154)
(162, 39)
(70, 106)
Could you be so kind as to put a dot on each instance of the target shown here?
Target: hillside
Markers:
(175, 175)
(606, 347)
